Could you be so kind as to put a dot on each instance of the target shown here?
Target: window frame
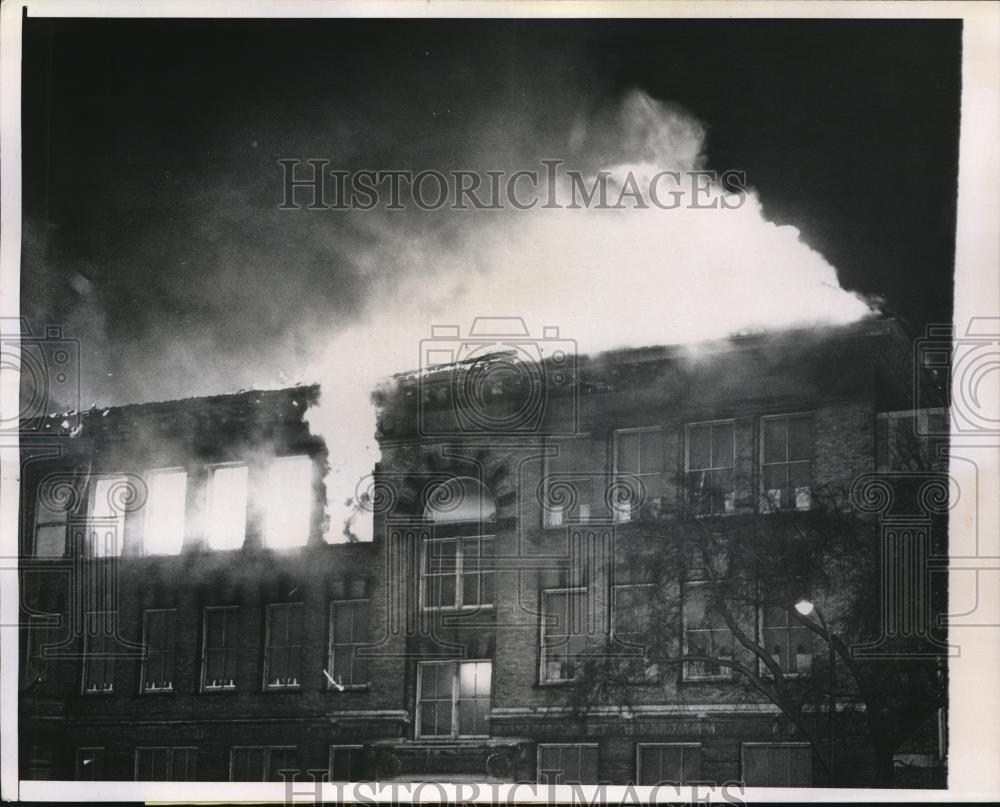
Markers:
(458, 539)
(331, 645)
(143, 690)
(203, 685)
(549, 522)
(37, 524)
(148, 476)
(456, 665)
(543, 679)
(727, 674)
(578, 746)
(88, 636)
(349, 747)
(633, 513)
(98, 751)
(651, 672)
(90, 538)
(765, 506)
(291, 607)
(266, 751)
(210, 498)
(688, 470)
(789, 745)
(190, 750)
(787, 628)
(639, 747)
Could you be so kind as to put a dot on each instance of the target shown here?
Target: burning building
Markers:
(655, 565)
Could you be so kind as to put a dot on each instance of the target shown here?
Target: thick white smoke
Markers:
(607, 278)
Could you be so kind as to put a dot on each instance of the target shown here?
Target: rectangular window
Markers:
(632, 629)
(220, 645)
(639, 467)
(458, 572)
(567, 763)
(564, 637)
(786, 462)
(258, 763)
(710, 457)
(159, 637)
(51, 518)
(777, 764)
(574, 488)
(227, 507)
(788, 641)
(348, 636)
(454, 698)
(283, 659)
(163, 764)
(99, 648)
(89, 764)
(706, 634)
(668, 763)
(288, 513)
(347, 763)
(165, 512)
(106, 532)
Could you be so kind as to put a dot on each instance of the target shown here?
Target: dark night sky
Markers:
(150, 149)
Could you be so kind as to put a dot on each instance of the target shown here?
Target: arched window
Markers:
(460, 499)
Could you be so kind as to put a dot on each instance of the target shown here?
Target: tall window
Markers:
(564, 636)
(639, 467)
(777, 764)
(89, 764)
(289, 502)
(348, 636)
(50, 520)
(163, 764)
(347, 763)
(786, 462)
(259, 763)
(454, 698)
(159, 637)
(283, 659)
(458, 572)
(99, 648)
(706, 634)
(675, 763)
(633, 629)
(573, 488)
(165, 512)
(106, 533)
(227, 507)
(567, 763)
(789, 642)
(220, 649)
(710, 457)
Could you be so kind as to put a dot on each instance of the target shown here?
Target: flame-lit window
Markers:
(165, 512)
(227, 507)
(454, 698)
(710, 458)
(786, 462)
(164, 764)
(348, 638)
(573, 488)
(106, 529)
(51, 514)
(639, 472)
(289, 502)
(220, 645)
(283, 661)
(788, 642)
(159, 636)
(564, 637)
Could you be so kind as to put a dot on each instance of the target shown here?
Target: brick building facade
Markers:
(519, 546)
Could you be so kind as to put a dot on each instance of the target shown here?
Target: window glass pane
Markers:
(722, 445)
(165, 512)
(699, 447)
(289, 501)
(651, 451)
(799, 438)
(107, 538)
(775, 439)
(227, 507)
(628, 452)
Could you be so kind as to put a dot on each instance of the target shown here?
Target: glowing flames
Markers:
(607, 278)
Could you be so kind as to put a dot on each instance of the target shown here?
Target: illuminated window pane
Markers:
(165, 512)
(106, 534)
(227, 511)
(289, 502)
